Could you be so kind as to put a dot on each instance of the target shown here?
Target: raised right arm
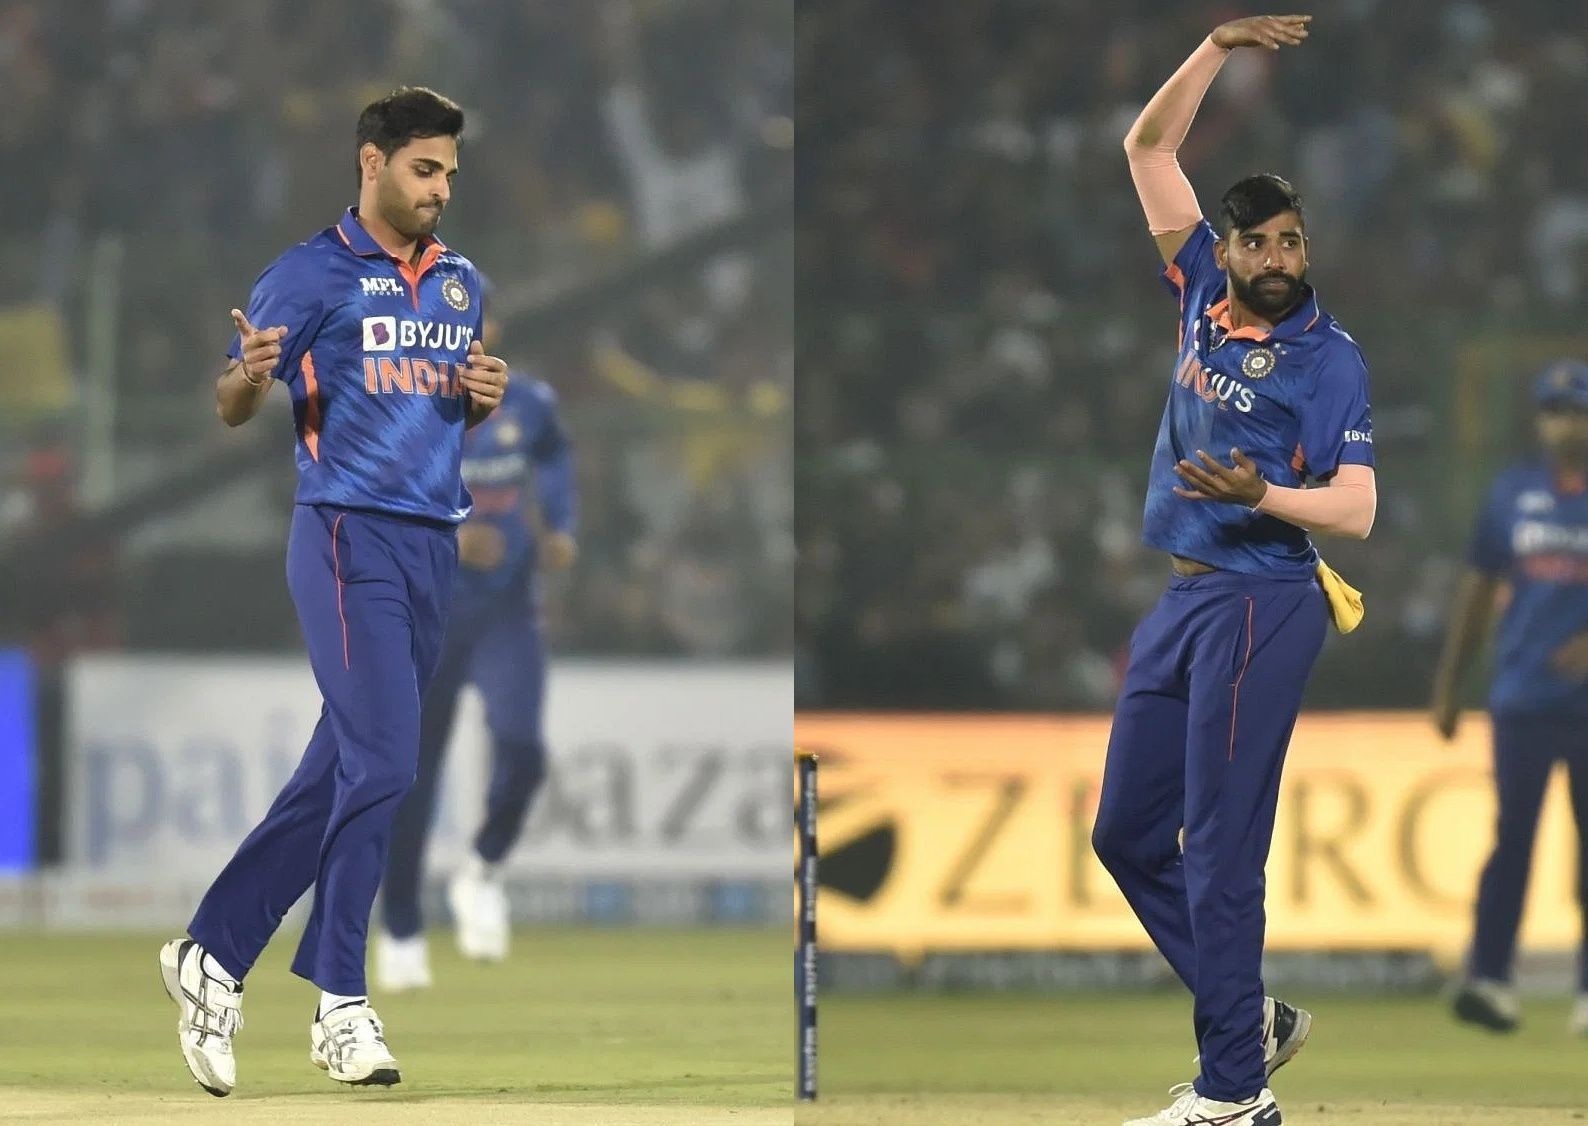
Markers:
(1153, 143)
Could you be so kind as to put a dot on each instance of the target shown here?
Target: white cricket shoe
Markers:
(401, 963)
(350, 1044)
(1488, 1004)
(1285, 1032)
(479, 911)
(210, 1015)
(1191, 1109)
(1579, 1016)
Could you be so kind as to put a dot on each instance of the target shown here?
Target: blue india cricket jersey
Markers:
(373, 357)
(1533, 534)
(522, 435)
(1294, 400)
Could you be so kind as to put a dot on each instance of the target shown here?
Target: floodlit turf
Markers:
(1096, 1060)
(585, 1028)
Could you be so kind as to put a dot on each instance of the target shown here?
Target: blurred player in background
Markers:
(493, 641)
(375, 327)
(1265, 377)
(1529, 551)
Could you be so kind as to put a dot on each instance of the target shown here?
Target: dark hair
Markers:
(1255, 200)
(405, 115)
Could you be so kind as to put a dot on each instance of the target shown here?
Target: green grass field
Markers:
(1095, 1060)
(594, 1028)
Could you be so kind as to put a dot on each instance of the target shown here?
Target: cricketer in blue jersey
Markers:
(1266, 393)
(1529, 552)
(493, 640)
(374, 326)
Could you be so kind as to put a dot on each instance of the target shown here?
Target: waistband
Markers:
(1235, 581)
(402, 519)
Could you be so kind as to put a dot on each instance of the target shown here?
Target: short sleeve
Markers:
(288, 296)
(1337, 423)
(1490, 548)
(1193, 266)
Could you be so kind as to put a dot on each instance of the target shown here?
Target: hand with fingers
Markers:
(260, 348)
(1272, 32)
(1239, 483)
(486, 378)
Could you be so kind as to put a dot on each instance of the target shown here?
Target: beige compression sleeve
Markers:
(1153, 141)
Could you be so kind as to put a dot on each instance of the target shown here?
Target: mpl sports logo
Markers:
(381, 287)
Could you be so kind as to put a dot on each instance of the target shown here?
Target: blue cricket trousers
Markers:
(371, 593)
(495, 643)
(1526, 749)
(1204, 717)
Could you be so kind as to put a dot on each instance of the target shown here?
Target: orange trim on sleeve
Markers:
(1176, 275)
(311, 407)
(1298, 460)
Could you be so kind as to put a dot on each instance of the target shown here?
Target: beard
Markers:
(1264, 295)
(411, 220)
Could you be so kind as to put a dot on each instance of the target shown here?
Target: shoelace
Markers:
(1185, 1097)
(215, 1018)
(348, 1035)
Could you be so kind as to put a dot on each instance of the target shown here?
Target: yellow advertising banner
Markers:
(974, 833)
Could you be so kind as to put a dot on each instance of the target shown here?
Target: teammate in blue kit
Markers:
(1532, 540)
(375, 328)
(493, 640)
(1267, 380)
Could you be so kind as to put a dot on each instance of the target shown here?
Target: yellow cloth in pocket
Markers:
(1345, 601)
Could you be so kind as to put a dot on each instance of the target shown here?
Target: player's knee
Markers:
(1112, 842)
(384, 782)
(526, 765)
(1122, 843)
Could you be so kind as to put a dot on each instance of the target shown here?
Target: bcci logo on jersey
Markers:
(455, 293)
(1257, 363)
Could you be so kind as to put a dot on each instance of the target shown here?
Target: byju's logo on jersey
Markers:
(380, 334)
(456, 294)
(381, 287)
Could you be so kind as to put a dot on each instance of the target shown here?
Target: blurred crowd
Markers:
(984, 346)
(164, 151)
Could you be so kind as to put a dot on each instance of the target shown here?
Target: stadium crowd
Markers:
(984, 347)
(162, 162)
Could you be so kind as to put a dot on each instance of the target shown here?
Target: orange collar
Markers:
(1220, 315)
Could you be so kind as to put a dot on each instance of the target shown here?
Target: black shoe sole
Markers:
(380, 1077)
(1474, 1010)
